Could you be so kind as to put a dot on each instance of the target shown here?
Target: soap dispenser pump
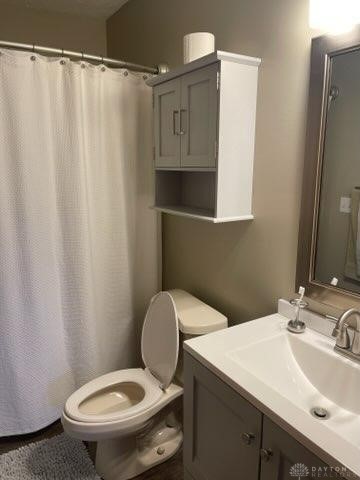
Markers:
(297, 325)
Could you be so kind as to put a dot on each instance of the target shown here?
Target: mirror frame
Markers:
(322, 49)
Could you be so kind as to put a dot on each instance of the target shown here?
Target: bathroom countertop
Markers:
(337, 447)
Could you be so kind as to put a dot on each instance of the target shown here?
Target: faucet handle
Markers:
(343, 338)
(335, 331)
(341, 334)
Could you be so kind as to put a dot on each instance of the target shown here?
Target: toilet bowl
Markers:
(116, 404)
(132, 413)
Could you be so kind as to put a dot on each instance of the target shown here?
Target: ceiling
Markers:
(93, 8)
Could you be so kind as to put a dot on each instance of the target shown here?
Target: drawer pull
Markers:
(247, 438)
(266, 454)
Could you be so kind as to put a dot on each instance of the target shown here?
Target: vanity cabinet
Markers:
(280, 451)
(204, 132)
(225, 437)
(222, 430)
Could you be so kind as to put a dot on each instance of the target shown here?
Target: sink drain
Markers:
(320, 413)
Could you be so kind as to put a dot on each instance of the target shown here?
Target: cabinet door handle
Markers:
(266, 454)
(182, 131)
(247, 438)
(175, 112)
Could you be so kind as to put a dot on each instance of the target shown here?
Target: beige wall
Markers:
(52, 29)
(241, 268)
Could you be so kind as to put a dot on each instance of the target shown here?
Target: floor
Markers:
(11, 443)
(170, 470)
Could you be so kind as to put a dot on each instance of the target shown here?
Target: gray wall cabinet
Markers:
(198, 117)
(227, 438)
(185, 120)
(204, 136)
(167, 121)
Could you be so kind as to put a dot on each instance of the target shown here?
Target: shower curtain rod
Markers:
(162, 68)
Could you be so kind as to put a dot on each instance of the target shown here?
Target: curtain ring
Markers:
(62, 61)
(33, 58)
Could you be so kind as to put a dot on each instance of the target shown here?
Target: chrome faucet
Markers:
(343, 344)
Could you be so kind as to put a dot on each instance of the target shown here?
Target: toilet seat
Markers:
(126, 393)
(97, 431)
(160, 338)
(121, 401)
(136, 376)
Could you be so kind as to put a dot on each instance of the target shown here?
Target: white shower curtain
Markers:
(78, 243)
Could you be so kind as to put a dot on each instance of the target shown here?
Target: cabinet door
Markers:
(283, 458)
(167, 124)
(198, 117)
(221, 429)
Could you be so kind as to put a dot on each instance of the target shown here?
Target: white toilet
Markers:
(132, 413)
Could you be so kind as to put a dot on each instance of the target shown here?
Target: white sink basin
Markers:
(286, 375)
(305, 369)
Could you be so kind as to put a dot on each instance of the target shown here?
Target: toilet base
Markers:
(126, 457)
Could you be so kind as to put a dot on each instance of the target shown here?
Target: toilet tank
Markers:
(195, 318)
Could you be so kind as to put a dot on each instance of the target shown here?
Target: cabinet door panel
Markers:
(286, 453)
(199, 106)
(166, 124)
(215, 420)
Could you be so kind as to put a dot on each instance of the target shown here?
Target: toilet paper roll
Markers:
(198, 44)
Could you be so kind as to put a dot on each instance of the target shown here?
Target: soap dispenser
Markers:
(297, 325)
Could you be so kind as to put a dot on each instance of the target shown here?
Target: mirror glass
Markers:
(337, 252)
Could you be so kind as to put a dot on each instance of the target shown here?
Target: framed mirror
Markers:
(329, 237)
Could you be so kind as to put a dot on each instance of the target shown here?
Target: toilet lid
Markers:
(160, 338)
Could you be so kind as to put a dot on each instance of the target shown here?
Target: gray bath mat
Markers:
(58, 458)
